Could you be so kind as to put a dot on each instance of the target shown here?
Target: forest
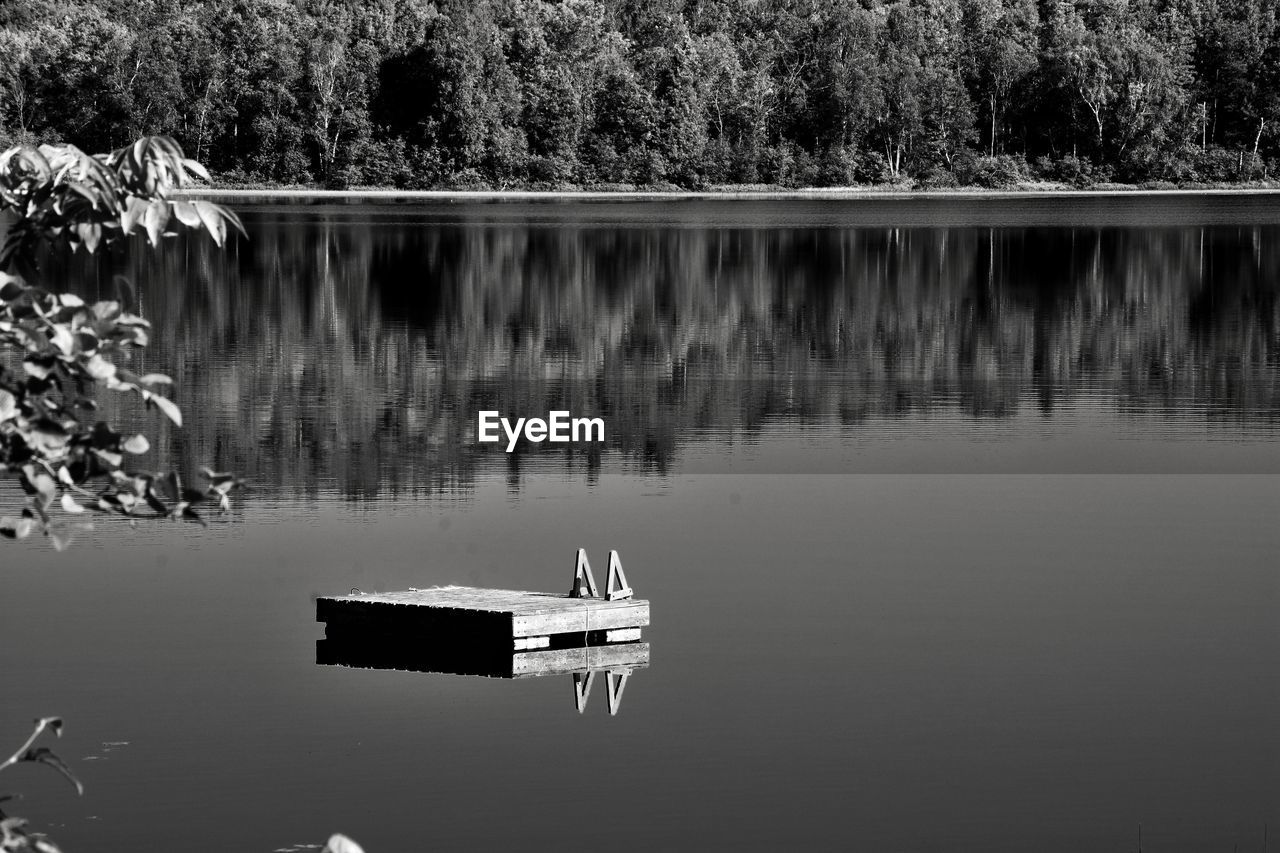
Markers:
(658, 93)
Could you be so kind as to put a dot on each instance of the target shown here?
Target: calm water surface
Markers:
(958, 521)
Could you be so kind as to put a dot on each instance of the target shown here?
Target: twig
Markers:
(41, 725)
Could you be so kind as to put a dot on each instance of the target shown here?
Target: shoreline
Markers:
(833, 194)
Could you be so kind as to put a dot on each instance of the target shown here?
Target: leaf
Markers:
(107, 310)
(51, 437)
(126, 319)
(155, 379)
(52, 723)
(63, 340)
(88, 339)
(90, 234)
(69, 504)
(38, 366)
(8, 406)
(170, 409)
(16, 528)
(46, 489)
(133, 212)
(99, 368)
(155, 219)
(123, 284)
(87, 193)
(196, 169)
(339, 843)
(113, 460)
(214, 222)
(186, 214)
(172, 484)
(44, 755)
(11, 287)
(153, 500)
(137, 445)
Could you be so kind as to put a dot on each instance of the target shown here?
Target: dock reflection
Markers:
(616, 660)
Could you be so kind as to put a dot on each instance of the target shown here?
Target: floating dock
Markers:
(500, 633)
(512, 619)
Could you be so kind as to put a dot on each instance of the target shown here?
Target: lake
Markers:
(958, 520)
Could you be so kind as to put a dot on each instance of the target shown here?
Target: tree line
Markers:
(692, 93)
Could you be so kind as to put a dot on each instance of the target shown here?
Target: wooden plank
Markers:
(617, 587)
(622, 656)
(587, 614)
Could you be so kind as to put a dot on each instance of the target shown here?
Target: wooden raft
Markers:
(500, 633)
(477, 615)
(501, 618)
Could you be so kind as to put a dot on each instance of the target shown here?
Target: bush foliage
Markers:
(58, 353)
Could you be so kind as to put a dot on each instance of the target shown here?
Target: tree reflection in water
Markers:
(351, 351)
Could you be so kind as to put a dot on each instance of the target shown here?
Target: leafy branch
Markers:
(14, 837)
(71, 349)
(63, 196)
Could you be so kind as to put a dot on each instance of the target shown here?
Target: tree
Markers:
(555, 53)
(454, 94)
(1237, 65)
(1131, 81)
(923, 111)
(265, 41)
(340, 65)
(1002, 40)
